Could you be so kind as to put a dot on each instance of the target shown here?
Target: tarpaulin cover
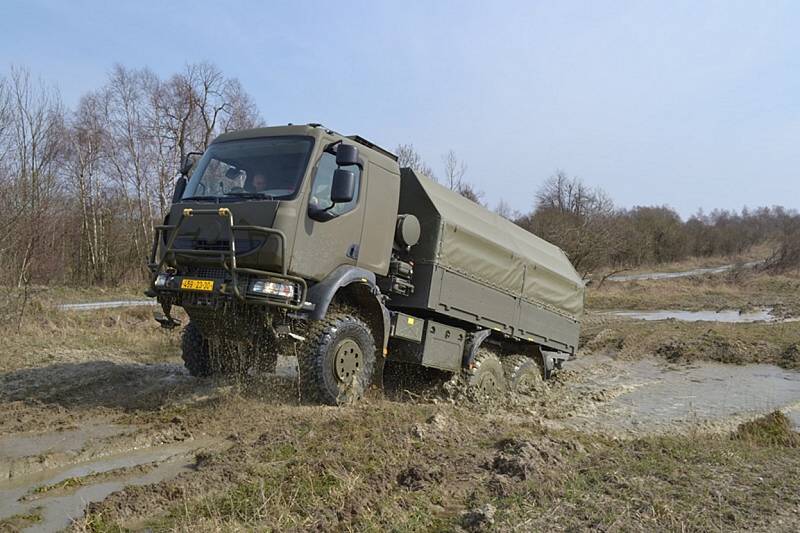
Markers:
(488, 248)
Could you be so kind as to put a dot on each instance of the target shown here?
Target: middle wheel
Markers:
(486, 374)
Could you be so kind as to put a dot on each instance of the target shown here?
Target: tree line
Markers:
(81, 188)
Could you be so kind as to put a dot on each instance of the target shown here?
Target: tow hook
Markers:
(284, 331)
(166, 319)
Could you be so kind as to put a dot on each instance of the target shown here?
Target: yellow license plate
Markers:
(197, 284)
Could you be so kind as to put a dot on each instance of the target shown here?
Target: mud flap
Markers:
(552, 361)
(377, 373)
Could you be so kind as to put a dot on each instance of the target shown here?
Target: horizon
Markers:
(689, 106)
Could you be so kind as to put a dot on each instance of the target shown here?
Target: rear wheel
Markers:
(337, 359)
(195, 351)
(486, 374)
(524, 373)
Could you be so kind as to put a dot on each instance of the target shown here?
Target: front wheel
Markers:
(337, 359)
(195, 351)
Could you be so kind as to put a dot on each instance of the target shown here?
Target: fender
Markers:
(322, 293)
(474, 342)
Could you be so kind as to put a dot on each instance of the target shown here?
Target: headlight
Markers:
(273, 288)
(161, 280)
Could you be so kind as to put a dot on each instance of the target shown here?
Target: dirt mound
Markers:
(774, 429)
(479, 519)
(790, 358)
(607, 340)
(418, 477)
(711, 345)
(523, 458)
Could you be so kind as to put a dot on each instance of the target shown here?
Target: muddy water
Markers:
(59, 507)
(651, 397)
(18, 446)
(728, 316)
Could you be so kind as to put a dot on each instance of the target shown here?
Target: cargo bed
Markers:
(477, 267)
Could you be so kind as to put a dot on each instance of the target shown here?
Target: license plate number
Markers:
(197, 284)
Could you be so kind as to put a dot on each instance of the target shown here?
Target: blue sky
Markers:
(689, 104)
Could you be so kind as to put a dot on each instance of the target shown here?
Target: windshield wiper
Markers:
(248, 194)
(202, 198)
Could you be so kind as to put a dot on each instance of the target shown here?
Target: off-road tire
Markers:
(486, 374)
(337, 359)
(523, 373)
(195, 351)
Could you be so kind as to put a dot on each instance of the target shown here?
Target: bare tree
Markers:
(505, 210)
(84, 159)
(408, 157)
(33, 134)
(577, 218)
(454, 171)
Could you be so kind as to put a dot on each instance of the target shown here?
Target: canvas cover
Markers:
(492, 250)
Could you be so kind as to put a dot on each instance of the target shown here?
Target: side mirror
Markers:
(343, 188)
(346, 155)
(180, 187)
(189, 162)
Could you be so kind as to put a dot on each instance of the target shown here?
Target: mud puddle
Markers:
(652, 397)
(59, 496)
(683, 274)
(730, 316)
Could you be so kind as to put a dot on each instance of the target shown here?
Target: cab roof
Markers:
(313, 129)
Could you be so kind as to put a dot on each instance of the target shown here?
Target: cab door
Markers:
(321, 246)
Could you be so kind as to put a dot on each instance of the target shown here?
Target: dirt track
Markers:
(76, 431)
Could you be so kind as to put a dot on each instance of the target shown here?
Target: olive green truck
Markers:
(298, 240)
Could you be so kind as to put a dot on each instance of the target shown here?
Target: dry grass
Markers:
(41, 334)
(738, 289)
(756, 253)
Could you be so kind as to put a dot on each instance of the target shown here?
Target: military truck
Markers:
(298, 240)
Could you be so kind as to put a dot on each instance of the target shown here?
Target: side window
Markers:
(321, 186)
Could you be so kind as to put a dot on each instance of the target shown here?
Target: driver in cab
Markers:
(258, 183)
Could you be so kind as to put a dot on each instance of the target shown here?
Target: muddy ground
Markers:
(101, 428)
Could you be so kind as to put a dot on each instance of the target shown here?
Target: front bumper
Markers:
(179, 281)
(219, 287)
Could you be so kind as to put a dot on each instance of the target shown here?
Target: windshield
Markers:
(268, 167)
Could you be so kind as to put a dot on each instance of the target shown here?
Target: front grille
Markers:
(212, 245)
(218, 245)
(206, 272)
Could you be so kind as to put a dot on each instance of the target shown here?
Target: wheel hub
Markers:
(348, 360)
(488, 384)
